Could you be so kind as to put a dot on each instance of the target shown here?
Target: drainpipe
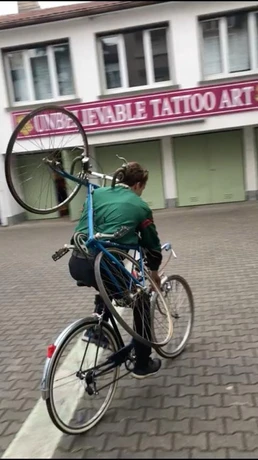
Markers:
(3, 216)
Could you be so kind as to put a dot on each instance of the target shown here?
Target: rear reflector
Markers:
(50, 350)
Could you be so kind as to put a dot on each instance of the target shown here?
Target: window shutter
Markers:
(238, 48)
(211, 48)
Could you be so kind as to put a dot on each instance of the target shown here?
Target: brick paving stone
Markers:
(220, 453)
(231, 441)
(123, 453)
(164, 442)
(201, 405)
(184, 453)
(246, 455)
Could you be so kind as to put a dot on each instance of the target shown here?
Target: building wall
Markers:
(185, 51)
(185, 56)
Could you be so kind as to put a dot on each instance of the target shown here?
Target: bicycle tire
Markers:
(9, 153)
(117, 316)
(88, 322)
(161, 350)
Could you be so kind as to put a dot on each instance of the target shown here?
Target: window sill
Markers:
(35, 105)
(229, 79)
(148, 90)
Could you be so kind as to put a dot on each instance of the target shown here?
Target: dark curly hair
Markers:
(130, 174)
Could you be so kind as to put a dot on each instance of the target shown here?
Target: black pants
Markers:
(82, 269)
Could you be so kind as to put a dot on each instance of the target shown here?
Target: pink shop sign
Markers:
(145, 110)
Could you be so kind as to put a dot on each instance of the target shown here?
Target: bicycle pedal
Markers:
(60, 253)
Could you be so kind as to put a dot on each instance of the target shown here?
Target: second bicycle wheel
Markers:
(44, 142)
(179, 299)
(130, 301)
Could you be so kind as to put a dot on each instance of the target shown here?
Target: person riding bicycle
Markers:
(113, 208)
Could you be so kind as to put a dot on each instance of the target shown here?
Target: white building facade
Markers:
(172, 85)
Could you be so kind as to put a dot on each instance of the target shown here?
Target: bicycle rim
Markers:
(33, 160)
(128, 298)
(72, 411)
(180, 301)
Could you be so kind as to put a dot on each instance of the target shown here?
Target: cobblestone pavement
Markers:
(201, 405)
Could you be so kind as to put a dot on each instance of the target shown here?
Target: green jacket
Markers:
(120, 206)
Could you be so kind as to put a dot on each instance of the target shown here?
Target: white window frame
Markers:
(29, 79)
(223, 36)
(123, 64)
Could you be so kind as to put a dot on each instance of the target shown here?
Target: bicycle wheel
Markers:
(44, 142)
(79, 392)
(128, 301)
(178, 295)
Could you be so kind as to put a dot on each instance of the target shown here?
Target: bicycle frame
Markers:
(116, 358)
(100, 245)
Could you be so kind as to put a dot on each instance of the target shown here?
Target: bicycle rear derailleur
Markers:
(90, 382)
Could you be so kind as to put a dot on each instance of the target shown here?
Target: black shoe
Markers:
(152, 368)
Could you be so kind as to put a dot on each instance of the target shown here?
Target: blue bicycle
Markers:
(88, 354)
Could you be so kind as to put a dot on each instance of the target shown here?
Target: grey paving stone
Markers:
(202, 404)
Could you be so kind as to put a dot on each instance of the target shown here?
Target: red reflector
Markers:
(50, 350)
